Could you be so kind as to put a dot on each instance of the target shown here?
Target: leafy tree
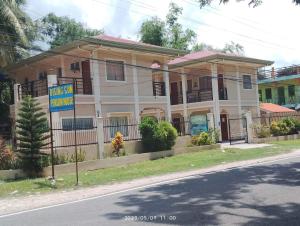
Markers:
(168, 33)
(152, 31)
(58, 30)
(231, 47)
(234, 48)
(32, 129)
(17, 31)
(253, 3)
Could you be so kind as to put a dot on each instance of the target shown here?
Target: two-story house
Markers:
(113, 79)
(118, 81)
(281, 86)
(224, 85)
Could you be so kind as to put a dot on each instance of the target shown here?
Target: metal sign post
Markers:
(75, 133)
(62, 98)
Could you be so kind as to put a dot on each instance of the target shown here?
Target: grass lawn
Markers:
(183, 162)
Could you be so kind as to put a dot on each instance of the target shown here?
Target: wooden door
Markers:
(174, 93)
(224, 127)
(86, 77)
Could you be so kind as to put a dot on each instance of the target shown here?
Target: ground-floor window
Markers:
(198, 124)
(118, 124)
(81, 124)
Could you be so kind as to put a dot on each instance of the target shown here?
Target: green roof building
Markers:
(281, 87)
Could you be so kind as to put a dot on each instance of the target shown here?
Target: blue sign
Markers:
(61, 98)
(198, 124)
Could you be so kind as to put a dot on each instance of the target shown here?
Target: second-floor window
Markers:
(291, 90)
(115, 70)
(247, 84)
(268, 93)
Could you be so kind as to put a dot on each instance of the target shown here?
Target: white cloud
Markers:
(268, 31)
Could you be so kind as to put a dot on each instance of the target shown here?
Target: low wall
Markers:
(108, 162)
(278, 138)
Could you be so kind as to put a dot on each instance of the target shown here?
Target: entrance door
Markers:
(224, 127)
(281, 97)
(174, 93)
(86, 77)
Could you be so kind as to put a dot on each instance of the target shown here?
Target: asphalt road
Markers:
(267, 194)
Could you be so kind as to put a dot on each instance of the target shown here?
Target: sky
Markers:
(269, 31)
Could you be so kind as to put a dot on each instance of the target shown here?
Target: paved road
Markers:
(267, 194)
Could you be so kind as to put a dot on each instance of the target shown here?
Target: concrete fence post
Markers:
(249, 121)
(210, 121)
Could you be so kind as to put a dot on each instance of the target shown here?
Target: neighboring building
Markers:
(269, 108)
(123, 80)
(281, 87)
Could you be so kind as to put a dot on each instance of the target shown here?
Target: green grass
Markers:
(183, 162)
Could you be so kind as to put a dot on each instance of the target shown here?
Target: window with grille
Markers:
(81, 124)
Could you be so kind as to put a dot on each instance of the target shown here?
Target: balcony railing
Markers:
(39, 88)
(82, 86)
(199, 96)
(159, 89)
(34, 88)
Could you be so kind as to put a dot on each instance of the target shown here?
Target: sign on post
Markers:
(61, 98)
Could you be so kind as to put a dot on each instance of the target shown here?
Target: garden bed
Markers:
(107, 163)
(276, 138)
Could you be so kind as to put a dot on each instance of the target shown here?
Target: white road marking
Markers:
(148, 185)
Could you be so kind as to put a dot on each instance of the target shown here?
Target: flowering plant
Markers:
(117, 143)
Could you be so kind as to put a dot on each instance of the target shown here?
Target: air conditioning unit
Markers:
(75, 66)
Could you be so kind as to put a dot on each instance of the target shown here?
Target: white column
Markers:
(94, 65)
(17, 98)
(248, 116)
(167, 84)
(136, 91)
(254, 83)
(216, 101)
(184, 98)
(238, 90)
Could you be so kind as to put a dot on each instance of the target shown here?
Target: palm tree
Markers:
(16, 31)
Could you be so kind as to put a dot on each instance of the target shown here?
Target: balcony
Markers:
(199, 96)
(39, 88)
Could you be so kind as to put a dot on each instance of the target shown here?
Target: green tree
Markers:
(32, 135)
(169, 33)
(234, 48)
(152, 31)
(253, 3)
(17, 31)
(57, 30)
(231, 47)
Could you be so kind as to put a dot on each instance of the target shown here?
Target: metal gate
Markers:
(238, 130)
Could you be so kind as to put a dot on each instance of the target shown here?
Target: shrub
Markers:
(262, 131)
(117, 143)
(8, 159)
(203, 139)
(157, 136)
(290, 123)
(297, 125)
(206, 138)
(279, 128)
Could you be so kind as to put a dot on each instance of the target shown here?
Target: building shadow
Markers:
(260, 195)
